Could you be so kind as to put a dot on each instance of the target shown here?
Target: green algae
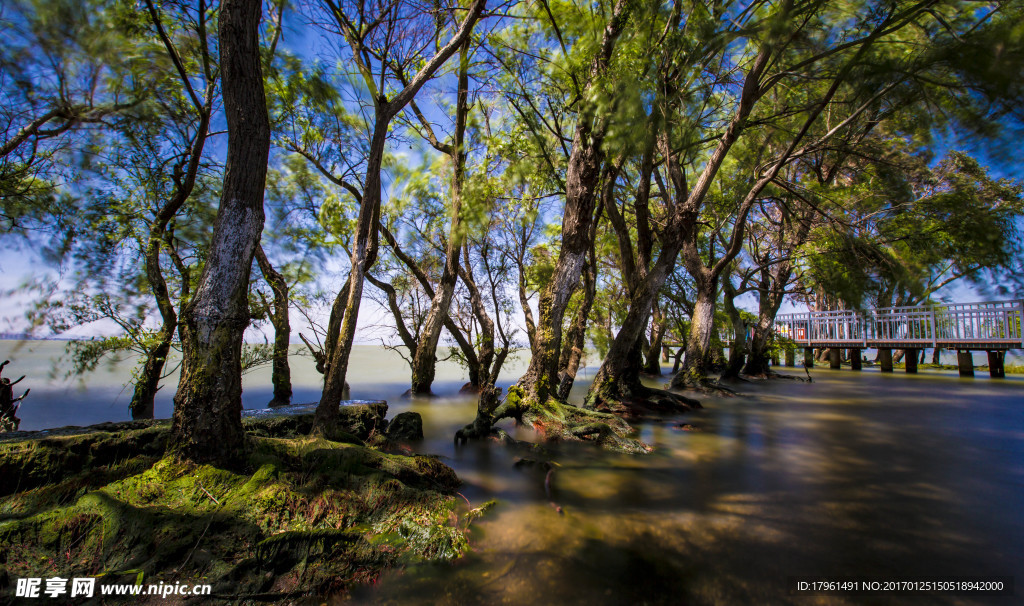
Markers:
(302, 516)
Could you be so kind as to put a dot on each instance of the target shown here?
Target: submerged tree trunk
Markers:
(655, 350)
(281, 374)
(365, 240)
(207, 424)
(425, 359)
(618, 379)
(581, 191)
(770, 300)
(737, 350)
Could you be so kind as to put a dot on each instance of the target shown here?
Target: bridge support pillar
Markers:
(885, 359)
(855, 359)
(790, 358)
(910, 360)
(834, 358)
(809, 357)
(965, 363)
(996, 370)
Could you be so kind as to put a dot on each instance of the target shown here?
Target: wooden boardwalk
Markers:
(965, 327)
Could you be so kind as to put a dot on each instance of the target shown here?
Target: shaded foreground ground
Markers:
(299, 516)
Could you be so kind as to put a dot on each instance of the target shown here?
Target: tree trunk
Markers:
(737, 350)
(541, 378)
(572, 349)
(364, 248)
(364, 253)
(761, 340)
(582, 179)
(698, 360)
(678, 362)
(618, 379)
(652, 364)
(281, 375)
(207, 424)
(480, 375)
(148, 382)
(425, 359)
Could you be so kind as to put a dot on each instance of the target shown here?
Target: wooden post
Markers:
(809, 357)
(885, 359)
(834, 358)
(790, 358)
(965, 363)
(910, 360)
(996, 370)
(855, 359)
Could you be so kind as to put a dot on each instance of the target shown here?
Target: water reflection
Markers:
(855, 474)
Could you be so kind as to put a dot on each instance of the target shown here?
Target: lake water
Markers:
(856, 474)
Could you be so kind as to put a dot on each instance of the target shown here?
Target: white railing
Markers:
(996, 323)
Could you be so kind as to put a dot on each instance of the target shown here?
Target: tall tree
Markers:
(371, 37)
(207, 423)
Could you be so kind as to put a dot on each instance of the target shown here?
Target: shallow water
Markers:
(854, 474)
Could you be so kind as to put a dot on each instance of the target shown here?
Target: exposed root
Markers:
(708, 386)
(644, 402)
(557, 421)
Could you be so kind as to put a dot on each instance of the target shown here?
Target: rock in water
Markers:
(405, 427)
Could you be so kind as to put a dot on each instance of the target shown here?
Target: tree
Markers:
(371, 38)
(207, 423)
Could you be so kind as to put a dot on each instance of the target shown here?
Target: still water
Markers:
(855, 474)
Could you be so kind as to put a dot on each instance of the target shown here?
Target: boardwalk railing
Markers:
(988, 326)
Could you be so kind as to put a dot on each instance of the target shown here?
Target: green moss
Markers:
(304, 516)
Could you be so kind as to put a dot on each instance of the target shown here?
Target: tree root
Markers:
(643, 402)
(558, 421)
(710, 387)
(554, 421)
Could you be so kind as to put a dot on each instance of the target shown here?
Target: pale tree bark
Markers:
(207, 423)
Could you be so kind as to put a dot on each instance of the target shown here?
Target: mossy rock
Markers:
(405, 427)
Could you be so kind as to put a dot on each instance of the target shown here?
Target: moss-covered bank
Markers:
(301, 517)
